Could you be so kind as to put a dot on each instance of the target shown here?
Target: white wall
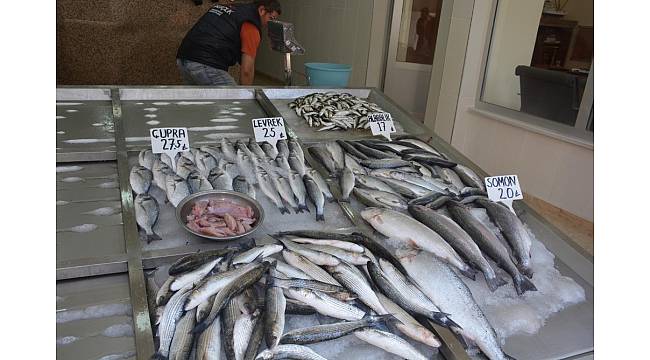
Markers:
(513, 40)
(553, 170)
(336, 31)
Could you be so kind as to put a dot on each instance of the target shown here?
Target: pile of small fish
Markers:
(404, 182)
(334, 111)
(220, 218)
(278, 171)
(238, 297)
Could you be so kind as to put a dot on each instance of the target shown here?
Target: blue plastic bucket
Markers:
(326, 74)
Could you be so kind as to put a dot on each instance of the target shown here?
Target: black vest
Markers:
(214, 40)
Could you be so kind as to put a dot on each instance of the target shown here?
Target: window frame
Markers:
(577, 134)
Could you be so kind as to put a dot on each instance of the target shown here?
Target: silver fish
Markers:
(337, 153)
(350, 257)
(441, 284)
(319, 333)
(352, 163)
(405, 188)
(169, 161)
(198, 182)
(208, 345)
(228, 318)
(146, 158)
(514, 232)
(220, 180)
(146, 214)
(407, 324)
(160, 171)
(347, 183)
(240, 184)
(172, 313)
(377, 198)
(164, 293)
(295, 147)
(184, 167)
(324, 157)
(275, 306)
(228, 150)
(345, 245)
(326, 304)
(420, 144)
(316, 196)
(299, 190)
(283, 148)
(353, 280)
(203, 309)
(284, 189)
(390, 342)
(317, 257)
(303, 264)
(296, 164)
(289, 351)
(290, 271)
(266, 184)
(140, 178)
(410, 231)
(181, 345)
(212, 284)
(450, 176)
(270, 150)
(256, 149)
(460, 240)
(194, 276)
(177, 189)
(489, 243)
(205, 162)
(469, 177)
(322, 185)
(262, 251)
(242, 331)
(215, 152)
(373, 183)
(283, 163)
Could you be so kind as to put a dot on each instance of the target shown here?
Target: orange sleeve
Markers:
(250, 39)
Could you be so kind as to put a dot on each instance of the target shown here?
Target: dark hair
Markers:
(269, 5)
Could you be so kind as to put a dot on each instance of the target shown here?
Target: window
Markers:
(418, 31)
(538, 66)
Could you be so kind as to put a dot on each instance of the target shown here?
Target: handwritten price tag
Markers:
(504, 188)
(269, 129)
(170, 141)
(381, 124)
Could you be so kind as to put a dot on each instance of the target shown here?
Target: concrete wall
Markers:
(553, 170)
(513, 40)
(336, 31)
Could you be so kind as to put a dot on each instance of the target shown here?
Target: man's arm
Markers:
(247, 70)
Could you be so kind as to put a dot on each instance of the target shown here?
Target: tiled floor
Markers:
(578, 229)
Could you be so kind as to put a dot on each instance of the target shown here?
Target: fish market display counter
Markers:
(106, 269)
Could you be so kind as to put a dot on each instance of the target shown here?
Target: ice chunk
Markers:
(119, 330)
(66, 340)
(120, 356)
(79, 228)
(68, 168)
(93, 312)
(103, 211)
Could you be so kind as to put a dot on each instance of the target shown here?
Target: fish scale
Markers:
(172, 313)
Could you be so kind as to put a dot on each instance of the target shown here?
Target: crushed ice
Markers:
(236, 108)
(151, 116)
(68, 168)
(109, 185)
(83, 228)
(94, 312)
(150, 109)
(60, 132)
(195, 102)
(119, 330)
(120, 356)
(103, 211)
(72, 179)
(160, 103)
(98, 124)
(61, 202)
(60, 117)
(239, 113)
(72, 110)
(153, 122)
(66, 340)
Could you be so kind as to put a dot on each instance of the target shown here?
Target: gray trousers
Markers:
(195, 73)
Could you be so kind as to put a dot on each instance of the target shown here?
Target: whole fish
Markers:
(326, 304)
(337, 292)
(407, 324)
(160, 171)
(261, 251)
(353, 280)
(269, 150)
(194, 276)
(234, 288)
(169, 161)
(299, 190)
(303, 264)
(255, 339)
(290, 271)
(294, 146)
(373, 183)
(146, 214)
(450, 176)
(460, 240)
(296, 164)
(345, 255)
(181, 345)
(228, 150)
(469, 177)
(323, 156)
(289, 351)
(337, 153)
(406, 189)
(184, 167)
(203, 309)
(243, 331)
(140, 178)
(514, 232)
(164, 292)
(198, 182)
(441, 284)
(319, 333)
(212, 284)
(220, 180)
(400, 290)
(274, 307)
(384, 163)
(410, 231)
(347, 183)
(295, 307)
(205, 162)
(193, 261)
(246, 167)
(345, 245)
(428, 183)
(416, 143)
(172, 313)
(208, 345)
(316, 196)
(146, 158)
(317, 257)
(240, 184)
(256, 148)
(322, 185)
(283, 148)
(390, 342)
(429, 159)
(350, 149)
(283, 163)
(177, 189)
(375, 198)
(214, 151)
(385, 146)
(266, 184)
(372, 153)
(228, 318)
(490, 244)
(284, 189)
(353, 164)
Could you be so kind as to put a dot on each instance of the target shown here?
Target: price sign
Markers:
(381, 124)
(269, 129)
(170, 141)
(504, 188)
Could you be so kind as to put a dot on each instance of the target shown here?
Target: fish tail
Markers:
(320, 217)
(303, 207)
(284, 210)
(158, 356)
(330, 198)
(522, 285)
(469, 273)
(200, 327)
(508, 357)
(443, 319)
(494, 282)
(526, 270)
(346, 199)
(152, 237)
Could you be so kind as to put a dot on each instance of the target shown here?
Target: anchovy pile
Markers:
(334, 111)
(406, 184)
(279, 172)
(238, 297)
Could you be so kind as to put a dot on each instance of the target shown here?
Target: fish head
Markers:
(372, 215)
